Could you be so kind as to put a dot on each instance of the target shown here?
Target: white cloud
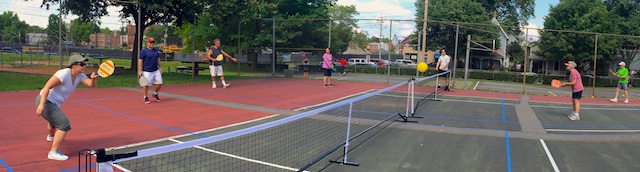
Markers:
(34, 15)
(389, 9)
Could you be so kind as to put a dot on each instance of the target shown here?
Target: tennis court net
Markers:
(303, 142)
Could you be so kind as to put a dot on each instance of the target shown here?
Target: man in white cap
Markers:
(623, 74)
(576, 86)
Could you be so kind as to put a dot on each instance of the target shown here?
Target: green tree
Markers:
(510, 12)
(342, 30)
(81, 31)
(158, 34)
(442, 35)
(106, 31)
(52, 30)
(176, 12)
(11, 28)
(627, 18)
(578, 15)
(360, 40)
(516, 51)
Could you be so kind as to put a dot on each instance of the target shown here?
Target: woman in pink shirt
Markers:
(327, 64)
(577, 88)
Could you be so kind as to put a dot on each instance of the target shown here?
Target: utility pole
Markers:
(380, 40)
(424, 30)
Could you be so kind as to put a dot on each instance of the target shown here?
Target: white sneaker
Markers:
(226, 85)
(574, 117)
(626, 101)
(614, 100)
(57, 156)
(214, 86)
(49, 138)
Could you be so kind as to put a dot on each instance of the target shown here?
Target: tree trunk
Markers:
(252, 57)
(134, 52)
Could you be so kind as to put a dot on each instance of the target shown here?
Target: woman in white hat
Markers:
(53, 94)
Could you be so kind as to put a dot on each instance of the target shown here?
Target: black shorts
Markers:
(305, 69)
(327, 72)
(577, 95)
(443, 71)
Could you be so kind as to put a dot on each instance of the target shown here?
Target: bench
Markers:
(187, 69)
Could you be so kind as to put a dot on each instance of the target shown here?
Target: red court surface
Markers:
(274, 92)
(101, 118)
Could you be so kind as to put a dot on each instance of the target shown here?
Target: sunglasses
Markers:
(81, 64)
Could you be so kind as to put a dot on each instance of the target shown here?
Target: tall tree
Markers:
(579, 15)
(342, 32)
(627, 16)
(106, 31)
(80, 31)
(11, 28)
(510, 12)
(442, 35)
(152, 12)
(53, 30)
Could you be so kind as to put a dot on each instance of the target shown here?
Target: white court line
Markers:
(242, 158)
(553, 162)
(593, 131)
(120, 167)
(474, 88)
(594, 108)
(553, 94)
(453, 100)
(189, 134)
(324, 103)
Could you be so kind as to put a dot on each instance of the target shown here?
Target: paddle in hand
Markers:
(556, 83)
(143, 81)
(106, 69)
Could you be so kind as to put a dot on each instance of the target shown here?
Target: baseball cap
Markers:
(150, 40)
(572, 63)
(622, 63)
(76, 58)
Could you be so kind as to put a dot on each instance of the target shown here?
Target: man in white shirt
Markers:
(443, 66)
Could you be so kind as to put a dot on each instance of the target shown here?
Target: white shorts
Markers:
(215, 70)
(154, 77)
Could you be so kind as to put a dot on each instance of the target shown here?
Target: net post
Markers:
(437, 85)
(413, 90)
(410, 83)
(410, 104)
(86, 153)
(346, 143)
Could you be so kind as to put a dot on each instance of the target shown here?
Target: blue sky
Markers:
(31, 12)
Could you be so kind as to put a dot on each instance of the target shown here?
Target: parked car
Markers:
(379, 62)
(358, 61)
(402, 62)
(10, 50)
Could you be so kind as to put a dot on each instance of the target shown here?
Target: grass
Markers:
(16, 81)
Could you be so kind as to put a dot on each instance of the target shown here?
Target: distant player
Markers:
(623, 74)
(576, 88)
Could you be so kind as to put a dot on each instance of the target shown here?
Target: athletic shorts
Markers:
(215, 70)
(54, 115)
(327, 72)
(154, 77)
(443, 71)
(577, 95)
(622, 86)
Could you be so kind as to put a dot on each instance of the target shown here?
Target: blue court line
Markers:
(504, 119)
(506, 134)
(5, 165)
(144, 120)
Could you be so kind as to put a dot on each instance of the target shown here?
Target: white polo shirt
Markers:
(60, 93)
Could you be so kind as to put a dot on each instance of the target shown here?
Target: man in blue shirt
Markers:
(149, 67)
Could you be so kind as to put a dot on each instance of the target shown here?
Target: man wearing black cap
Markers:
(149, 67)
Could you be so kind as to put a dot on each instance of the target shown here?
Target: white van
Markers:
(358, 61)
